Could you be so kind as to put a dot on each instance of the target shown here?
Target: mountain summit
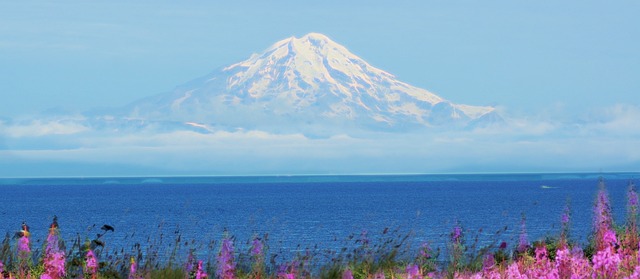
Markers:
(305, 82)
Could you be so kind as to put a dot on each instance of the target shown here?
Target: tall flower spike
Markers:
(133, 268)
(91, 264)
(602, 215)
(256, 247)
(523, 243)
(54, 262)
(347, 274)
(413, 271)
(226, 265)
(456, 234)
(200, 273)
(632, 206)
(565, 218)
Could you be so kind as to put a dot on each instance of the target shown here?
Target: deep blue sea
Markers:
(304, 211)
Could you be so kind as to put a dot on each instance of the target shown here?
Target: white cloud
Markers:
(38, 128)
(618, 120)
(609, 143)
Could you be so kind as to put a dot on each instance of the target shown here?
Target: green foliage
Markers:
(168, 273)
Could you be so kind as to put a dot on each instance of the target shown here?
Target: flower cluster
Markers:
(91, 265)
(55, 259)
(226, 264)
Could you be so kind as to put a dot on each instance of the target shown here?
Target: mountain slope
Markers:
(302, 82)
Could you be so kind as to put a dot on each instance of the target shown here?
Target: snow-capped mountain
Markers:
(305, 82)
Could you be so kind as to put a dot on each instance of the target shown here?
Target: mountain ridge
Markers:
(306, 81)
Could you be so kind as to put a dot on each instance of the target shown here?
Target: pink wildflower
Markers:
(226, 265)
(379, 275)
(133, 268)
(636, 273)
(563, 261)
(425, 251)
(52, 242)
(605, 263)
(55, 265)
(602, 216)
(541, 253)
(54, 262)
(347, 274)
(513, 271)
(190, 263)
(256, 247)
(413, 271)
(23, 247)
(287, 271)
(609, 239)
(200, 273)
(523, 243)
(92, 263)
(456, 234)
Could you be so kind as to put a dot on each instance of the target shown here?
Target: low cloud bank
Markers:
(604, 140)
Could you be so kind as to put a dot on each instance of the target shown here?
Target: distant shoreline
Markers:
(311, 178)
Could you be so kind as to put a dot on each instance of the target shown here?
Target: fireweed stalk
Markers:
(91, 265)
(54, 258)
(630, 240)
(606, 260)
(565, 218)
(523, 242)
(133, 269)
(24, 250)
(602, 221)
(631, 233)
(257, 256)
(200, 273)
(456, 249)
(226, 265)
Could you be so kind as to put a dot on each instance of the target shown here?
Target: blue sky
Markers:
(538, 61)
(523, 56)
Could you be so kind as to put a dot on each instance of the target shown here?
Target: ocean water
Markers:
(306, 211)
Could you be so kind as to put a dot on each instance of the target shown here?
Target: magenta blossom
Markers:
(523, 243)
(605, 263)
(133, 268)
(564, 219)
(347, 274)
(413, 271)
(226, 265)
(256, 247)
(456, 234)
(610, 238)
(541, 253)
(200, 273)
(92, 262)
(23, 247)
(55, 265)
(488, 263)
(52, 242)
(425, 251)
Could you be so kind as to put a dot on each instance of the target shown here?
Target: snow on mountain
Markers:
(304, 82)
